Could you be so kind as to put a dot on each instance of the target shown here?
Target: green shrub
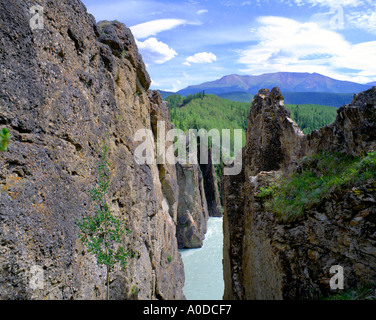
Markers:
(101, 233)
(268, 192)
(4, 139)
(134, 290)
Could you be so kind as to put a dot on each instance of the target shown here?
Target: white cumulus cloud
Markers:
(155, 52)
(201, 57)
(288, 45)
(152, 28)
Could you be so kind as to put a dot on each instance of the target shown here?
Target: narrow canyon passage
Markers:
(203, 266)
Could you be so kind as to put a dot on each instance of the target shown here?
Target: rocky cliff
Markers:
(211, 186)
(65, 89)
(199, 199)
(269, 256)
(192, 208)
(182, 184)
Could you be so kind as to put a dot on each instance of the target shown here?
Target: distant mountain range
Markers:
(321, 98)
(297, 88)
(286, 81)
(165, 94)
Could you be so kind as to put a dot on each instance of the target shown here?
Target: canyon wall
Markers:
(66, 89)
(269, 258)
(192, 209)
(211, 186)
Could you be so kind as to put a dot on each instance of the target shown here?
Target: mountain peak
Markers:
(286, 81)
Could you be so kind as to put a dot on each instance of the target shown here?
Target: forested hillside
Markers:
(209, 111)
(237, 96)
(311, 117)
(203, 111)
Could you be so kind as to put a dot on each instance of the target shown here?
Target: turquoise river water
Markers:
(203, 266)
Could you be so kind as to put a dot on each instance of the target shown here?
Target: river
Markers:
(203, 266)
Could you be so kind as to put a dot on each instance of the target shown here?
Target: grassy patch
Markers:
(367, 292)
(318, 175)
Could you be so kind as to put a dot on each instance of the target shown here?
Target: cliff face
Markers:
(64, 90)
(269, 258)
(192, 209)
(211, 187)
(198, 200)
(352, 133)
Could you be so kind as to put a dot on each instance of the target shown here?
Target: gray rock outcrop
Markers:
(192, 209)
(211, 187)
(269, 258)
(64, 90)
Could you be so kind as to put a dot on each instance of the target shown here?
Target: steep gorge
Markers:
(70, 86)
(266, 257)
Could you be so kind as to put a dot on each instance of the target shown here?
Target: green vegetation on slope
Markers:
(237, 96)
(208, 112)
(291, 196)
(367, 292)
(311, 117)
(174, 101)
(180, 101)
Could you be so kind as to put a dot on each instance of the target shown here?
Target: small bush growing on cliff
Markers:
(4, 139)
(318, 175)
(268, 192)
(101, 233)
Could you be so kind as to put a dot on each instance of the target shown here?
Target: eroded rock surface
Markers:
(265, 258)
(211, 187)
(64, 90)
(193, 212)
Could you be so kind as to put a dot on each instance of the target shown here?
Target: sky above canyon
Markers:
(190, 42)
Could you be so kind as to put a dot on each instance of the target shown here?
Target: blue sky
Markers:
(189, 42)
